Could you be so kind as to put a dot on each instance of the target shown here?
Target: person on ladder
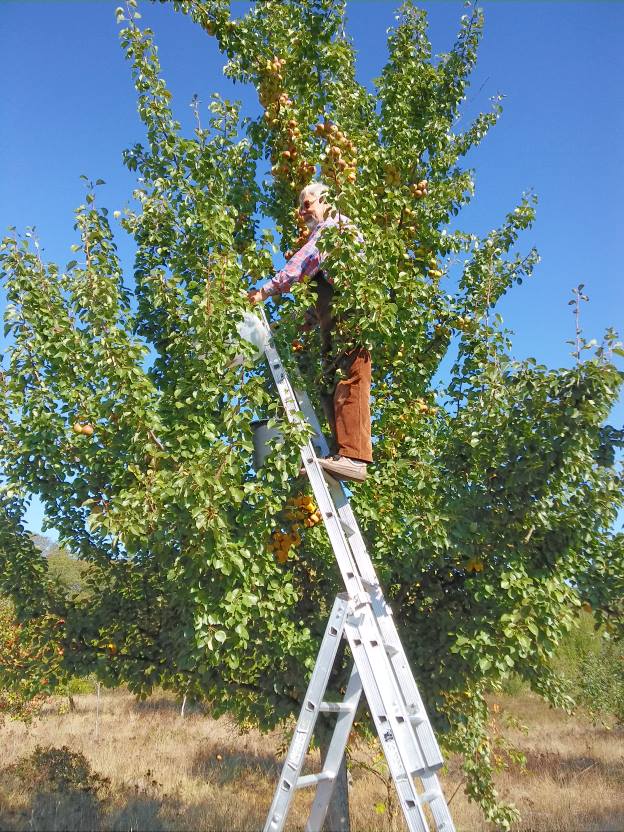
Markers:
(347, 376)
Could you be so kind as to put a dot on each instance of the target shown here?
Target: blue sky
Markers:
(67, 107)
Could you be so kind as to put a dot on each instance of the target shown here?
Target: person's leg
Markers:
(346, 402)
(324, 295)
(327, 403)
(352, 407)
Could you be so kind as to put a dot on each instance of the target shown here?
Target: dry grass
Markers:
(201, 774)
(574, 776)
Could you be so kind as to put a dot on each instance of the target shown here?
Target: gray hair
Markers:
(317, 189)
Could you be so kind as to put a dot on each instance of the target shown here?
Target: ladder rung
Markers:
(335, 708)
(313, 779)
(427, 797)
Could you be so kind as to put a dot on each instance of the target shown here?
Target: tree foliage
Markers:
(490, 506)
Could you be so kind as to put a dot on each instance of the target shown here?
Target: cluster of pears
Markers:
(84, 429)
(422, 406)
(339, 162)
(271, 84)
(300, 511)
(464, 323)
(287, 157)
(303, 234)
(428, 261)
(419, 189)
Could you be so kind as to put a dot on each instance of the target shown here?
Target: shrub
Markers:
(58, 770)
(591, 667)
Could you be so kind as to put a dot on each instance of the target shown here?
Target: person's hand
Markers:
(255, 296)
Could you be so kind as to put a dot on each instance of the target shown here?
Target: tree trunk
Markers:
(337, 819)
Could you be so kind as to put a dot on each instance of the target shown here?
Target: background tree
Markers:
(490, 507)
(31, 631)
(68, 570)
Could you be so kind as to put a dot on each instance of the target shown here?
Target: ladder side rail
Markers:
(395, 731)
(383, 612)
(414, 704)
(342, 550)
(408, 687)
(382, 706)
(338, 494)
(398, 659)
(369, 642)
(437, 803)
(293, 763)
(335, 753)
(351, 553)
(306, 408)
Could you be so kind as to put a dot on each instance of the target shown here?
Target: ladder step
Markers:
(336, 708)
(428, 797)
(313, 779)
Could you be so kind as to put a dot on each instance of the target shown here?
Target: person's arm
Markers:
(305, 263)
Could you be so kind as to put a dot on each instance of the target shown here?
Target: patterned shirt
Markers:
(304, 263)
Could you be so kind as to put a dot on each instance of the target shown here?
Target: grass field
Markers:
(150, 769)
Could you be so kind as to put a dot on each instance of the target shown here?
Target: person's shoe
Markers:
(343, 468)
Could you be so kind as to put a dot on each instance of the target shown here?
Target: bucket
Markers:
(263, 438)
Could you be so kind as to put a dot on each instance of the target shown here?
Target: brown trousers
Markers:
(346, 388)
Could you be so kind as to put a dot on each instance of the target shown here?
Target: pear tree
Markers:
(490, 507)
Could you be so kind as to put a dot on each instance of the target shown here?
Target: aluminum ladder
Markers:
(380, 670)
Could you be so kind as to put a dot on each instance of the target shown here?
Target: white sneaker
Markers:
(344, 468)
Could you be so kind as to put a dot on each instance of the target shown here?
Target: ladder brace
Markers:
(315, 779)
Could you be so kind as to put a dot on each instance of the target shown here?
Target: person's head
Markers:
(313, 204)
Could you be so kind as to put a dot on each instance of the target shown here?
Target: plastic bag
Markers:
(250, 329)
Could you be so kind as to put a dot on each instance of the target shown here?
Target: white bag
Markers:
(250, 329)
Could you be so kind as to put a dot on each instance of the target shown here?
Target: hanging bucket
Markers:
(263, 439)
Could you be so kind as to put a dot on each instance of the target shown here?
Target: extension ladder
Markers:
(380, 670)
